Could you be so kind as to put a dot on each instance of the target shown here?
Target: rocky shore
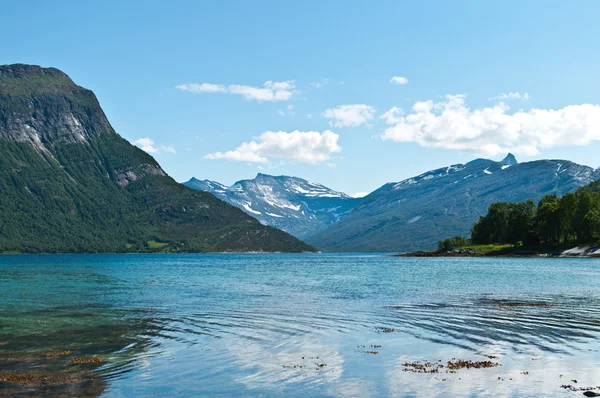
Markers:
(586, 251)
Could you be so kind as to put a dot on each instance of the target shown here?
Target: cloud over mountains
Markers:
(300, 146)
(489, 131)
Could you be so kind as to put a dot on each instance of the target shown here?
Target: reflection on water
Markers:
(297, 325)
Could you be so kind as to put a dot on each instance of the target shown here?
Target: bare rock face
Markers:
(124, 177)
(44, 107)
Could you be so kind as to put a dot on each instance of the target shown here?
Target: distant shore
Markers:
(582, 251)
(14, 253)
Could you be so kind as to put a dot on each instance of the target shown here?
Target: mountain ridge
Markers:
(292, 204)
(413, 214)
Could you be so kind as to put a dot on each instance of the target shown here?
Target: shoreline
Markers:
(153, 252)
(582, 251)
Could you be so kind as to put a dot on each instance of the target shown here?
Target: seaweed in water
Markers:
(86, 360)
(55, 354)
(451, 366)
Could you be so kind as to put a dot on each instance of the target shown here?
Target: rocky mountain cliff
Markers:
(70, 183)
(297, 206)
(415, 213)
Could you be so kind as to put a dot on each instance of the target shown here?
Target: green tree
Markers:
(585, 204)
(521, 216)
(548, 220)
(492, 228)
(591, 225)
(452, 243)
(568, 208)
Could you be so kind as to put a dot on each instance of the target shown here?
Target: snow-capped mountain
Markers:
(415, 213)
(297, 206)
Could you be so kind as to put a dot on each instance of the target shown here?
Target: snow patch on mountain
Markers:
(414, 219)
(248, 208)
(292, 204)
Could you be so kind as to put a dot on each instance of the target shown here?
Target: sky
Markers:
(350, 94)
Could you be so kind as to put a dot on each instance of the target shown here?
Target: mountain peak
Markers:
(24, 70)
(194, 180)
(262, 175)
(18, 79)
(509, 160)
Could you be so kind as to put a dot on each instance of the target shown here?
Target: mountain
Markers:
(415, 213)
(70, 183)
(292, 204)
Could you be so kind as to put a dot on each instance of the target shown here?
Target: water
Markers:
(296, 325)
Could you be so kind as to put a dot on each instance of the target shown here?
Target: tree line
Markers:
(573, 218)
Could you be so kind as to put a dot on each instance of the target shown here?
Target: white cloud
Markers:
(271, 91)
(288, 112)
(399, 80)
(393, 115)
(305, 147)
(202, 88)
(320, 83)
(512, 96)
(490, 131)
(168, 148)
(359, 194)
(146, 144)
(349, 115)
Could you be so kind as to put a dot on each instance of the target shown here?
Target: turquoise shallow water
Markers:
(262, 325)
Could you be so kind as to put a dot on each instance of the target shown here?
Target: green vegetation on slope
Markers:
(69, 183)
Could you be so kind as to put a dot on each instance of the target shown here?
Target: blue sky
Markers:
(462, 56)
